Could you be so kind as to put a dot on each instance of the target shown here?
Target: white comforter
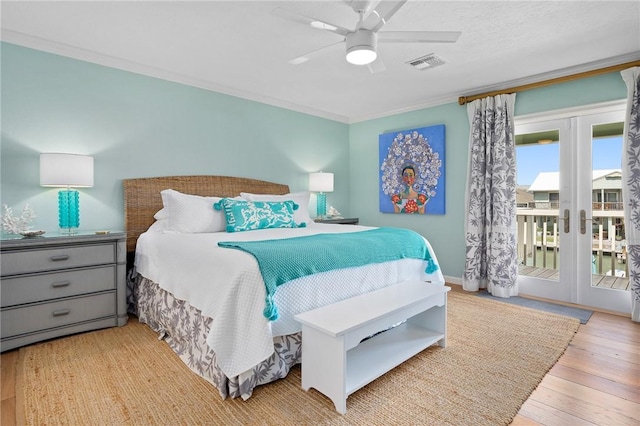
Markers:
(226, 284)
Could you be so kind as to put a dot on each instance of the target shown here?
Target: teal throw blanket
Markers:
(286, 259)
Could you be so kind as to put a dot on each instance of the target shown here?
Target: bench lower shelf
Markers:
(381, 353)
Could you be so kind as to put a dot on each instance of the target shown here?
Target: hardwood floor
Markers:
(8, 364)
(595, 382)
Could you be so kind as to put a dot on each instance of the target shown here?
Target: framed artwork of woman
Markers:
(412, 171)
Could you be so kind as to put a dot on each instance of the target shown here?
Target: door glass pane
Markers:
(609, 260)
(537, 197)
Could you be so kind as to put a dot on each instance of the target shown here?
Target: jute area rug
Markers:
(496, 355)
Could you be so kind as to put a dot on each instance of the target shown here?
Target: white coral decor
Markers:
(16, 225)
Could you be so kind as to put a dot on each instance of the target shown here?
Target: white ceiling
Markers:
(241, 48)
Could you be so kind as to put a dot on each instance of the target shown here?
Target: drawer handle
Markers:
(61, 312)
(60, 284)
(59, 257)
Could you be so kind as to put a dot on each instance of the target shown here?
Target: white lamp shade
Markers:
(66, 170)
(321, 182)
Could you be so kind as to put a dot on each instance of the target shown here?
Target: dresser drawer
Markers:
(39, 317)
(25, 261)
(42, 287)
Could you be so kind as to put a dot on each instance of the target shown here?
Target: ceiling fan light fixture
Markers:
(361, 56)
(361, 47)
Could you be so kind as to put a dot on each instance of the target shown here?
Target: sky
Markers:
(531, 160)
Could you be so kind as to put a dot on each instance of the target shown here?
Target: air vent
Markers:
(427, 62)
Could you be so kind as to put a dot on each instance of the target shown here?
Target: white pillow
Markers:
(300, 198)
(157, 226)
(161, 214)
(161, 220)
(190, 214)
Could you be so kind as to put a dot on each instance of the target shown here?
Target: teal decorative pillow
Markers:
(244, 215)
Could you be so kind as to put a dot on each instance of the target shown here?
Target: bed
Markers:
(195, 284)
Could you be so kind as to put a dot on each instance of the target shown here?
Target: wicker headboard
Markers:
(142, 196)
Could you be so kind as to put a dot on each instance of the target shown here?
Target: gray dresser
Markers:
(55, 285)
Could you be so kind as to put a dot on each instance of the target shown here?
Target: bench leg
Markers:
(324, 366)
(341, 406)
(443, 342)
(442, 324)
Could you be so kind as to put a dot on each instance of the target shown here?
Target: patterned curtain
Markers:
(631, 184)
(490, 225)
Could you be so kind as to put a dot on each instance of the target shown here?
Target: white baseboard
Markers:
(453, 280)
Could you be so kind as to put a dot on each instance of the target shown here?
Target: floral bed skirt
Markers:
(185, 330)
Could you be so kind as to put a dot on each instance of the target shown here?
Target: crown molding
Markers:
(73, 52)
(563, 72)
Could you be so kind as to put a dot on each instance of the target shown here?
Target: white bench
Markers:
(336, 363)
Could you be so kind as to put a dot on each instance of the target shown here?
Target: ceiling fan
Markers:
(362, 42)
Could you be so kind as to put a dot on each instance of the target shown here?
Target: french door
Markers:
(546, 251)
(571, 241)
(603, 275)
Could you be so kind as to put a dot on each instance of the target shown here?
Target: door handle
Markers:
(583, 222)
(566, 221)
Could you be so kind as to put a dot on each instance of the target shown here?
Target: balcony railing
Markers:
(539, 248)
(554, 205)
(617, 206)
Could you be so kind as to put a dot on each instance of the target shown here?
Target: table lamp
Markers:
(321, 182)
(67, 171)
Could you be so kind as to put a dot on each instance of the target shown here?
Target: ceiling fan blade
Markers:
(313, 22)
(381, 14)
(309, 55)
(418, 36)
(376, 66)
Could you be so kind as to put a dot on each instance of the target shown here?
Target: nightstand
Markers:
(341, 220)
(54, 285)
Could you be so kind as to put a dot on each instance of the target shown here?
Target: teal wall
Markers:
(138, 126)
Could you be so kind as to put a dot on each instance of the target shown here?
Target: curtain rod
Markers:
(465, 99)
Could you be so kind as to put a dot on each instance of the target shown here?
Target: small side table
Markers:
(339, 220)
